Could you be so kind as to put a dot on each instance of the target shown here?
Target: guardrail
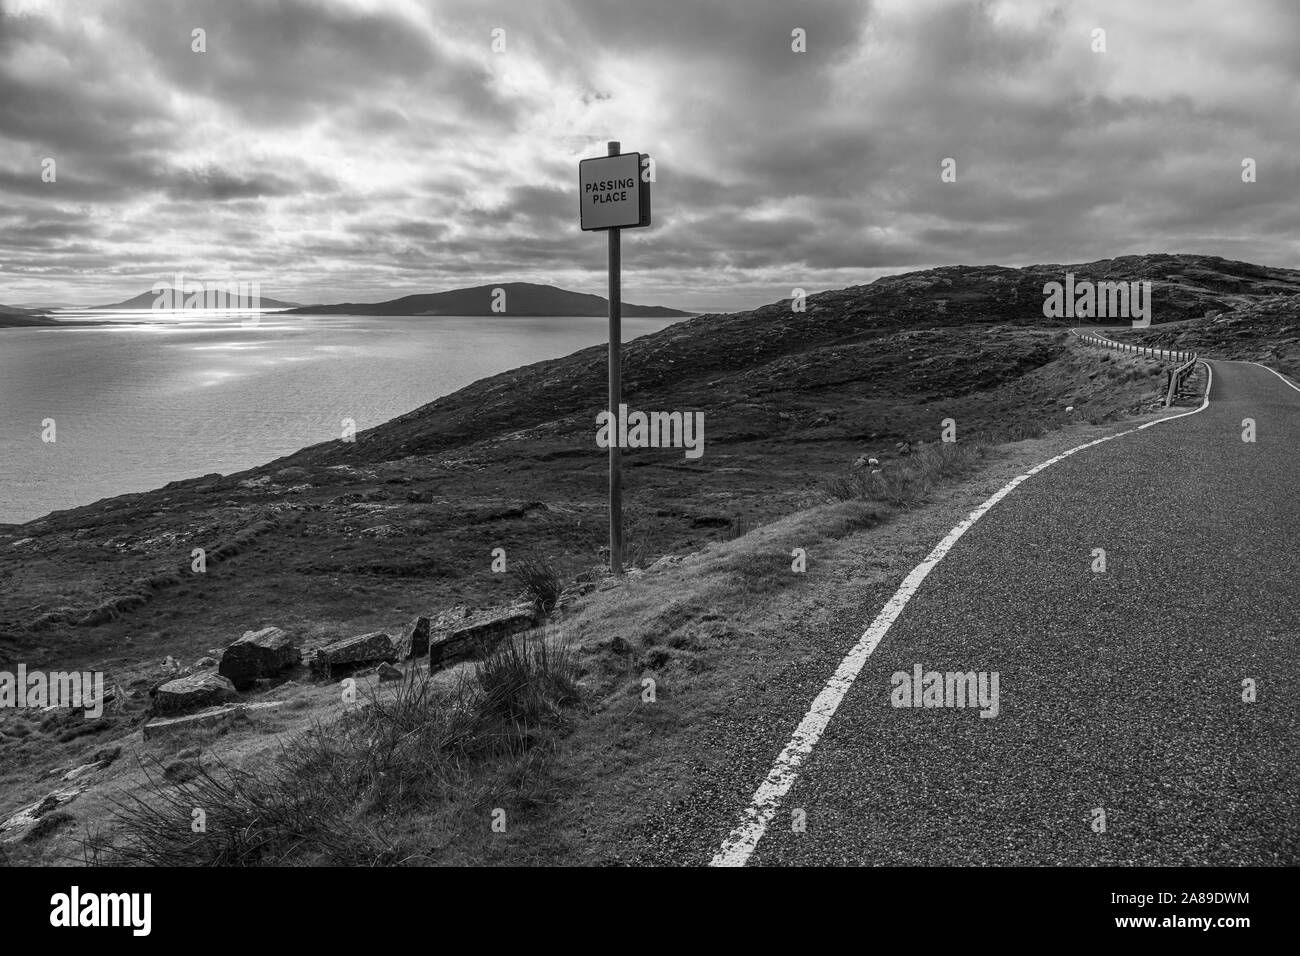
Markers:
(1174, 378)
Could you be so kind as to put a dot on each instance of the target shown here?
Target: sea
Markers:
(92, 412)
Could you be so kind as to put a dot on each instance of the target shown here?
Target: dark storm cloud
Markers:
(218, 185)
(275, 63)
(544, 209)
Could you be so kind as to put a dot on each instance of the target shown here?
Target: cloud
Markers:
(345, 150)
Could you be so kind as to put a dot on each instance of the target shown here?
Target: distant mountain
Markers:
(17, 317)
(34, 319)
(521, 298)
(11, 320)
(16, 320)
(145, 300)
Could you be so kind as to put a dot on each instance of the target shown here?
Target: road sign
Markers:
(612, 194)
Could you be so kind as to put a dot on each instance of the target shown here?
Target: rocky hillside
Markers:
(1265, 330)
(774, 348)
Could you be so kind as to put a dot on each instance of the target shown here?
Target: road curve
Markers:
(1120, 691)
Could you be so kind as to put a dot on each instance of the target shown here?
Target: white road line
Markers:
(1285, 380)
(1209, 383)
(741, 842)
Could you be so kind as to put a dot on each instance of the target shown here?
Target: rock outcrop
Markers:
(193, 692)
(209, 718)
(259, 654)
(352, 653)
(479, 635)
(414, 639)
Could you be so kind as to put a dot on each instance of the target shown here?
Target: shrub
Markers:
(525, 682)
(540, 581)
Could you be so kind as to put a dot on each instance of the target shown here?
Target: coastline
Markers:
(223, 376)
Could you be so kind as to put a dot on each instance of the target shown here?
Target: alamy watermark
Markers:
(184, 293)
(76, 909)
(82, 690)
(1098, 300)
(652, 430)
(923, 688)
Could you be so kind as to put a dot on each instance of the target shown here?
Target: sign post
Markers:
(615, 391)
(613, 195)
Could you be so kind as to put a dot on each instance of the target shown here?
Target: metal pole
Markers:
(615, 395)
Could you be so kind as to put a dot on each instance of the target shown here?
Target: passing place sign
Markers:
(612, 192)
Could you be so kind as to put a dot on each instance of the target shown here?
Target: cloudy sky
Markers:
(363, 149)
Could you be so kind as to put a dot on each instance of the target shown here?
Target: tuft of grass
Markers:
(908, 482)
(525, 681)
(339, 794)
(762, 572)
(1019, 431)
(540, 581)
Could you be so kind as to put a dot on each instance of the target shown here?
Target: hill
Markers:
(766, 351)
(520, 298)
(145, 301)
(20, 320)
(15, 317)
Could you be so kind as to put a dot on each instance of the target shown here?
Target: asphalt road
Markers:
(1119, 691)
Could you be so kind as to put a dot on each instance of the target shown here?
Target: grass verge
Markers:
(911, 480)
(348, 793)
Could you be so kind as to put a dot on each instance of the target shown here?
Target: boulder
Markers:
(258, 654)
(414, 639)
(388, 672)
(352, 653)
(192, 692)
(479, 636)
(452, 618)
